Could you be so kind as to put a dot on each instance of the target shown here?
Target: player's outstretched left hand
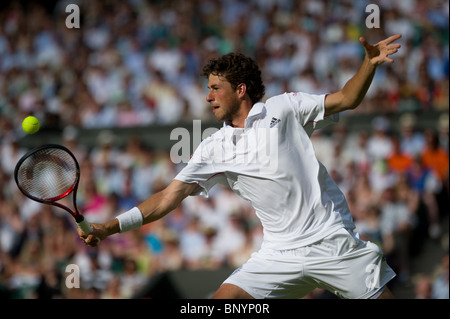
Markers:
(380, 52)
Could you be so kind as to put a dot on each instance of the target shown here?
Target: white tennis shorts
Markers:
(340, 263)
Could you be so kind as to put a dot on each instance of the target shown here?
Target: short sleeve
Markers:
(201, 170)
(310, 111)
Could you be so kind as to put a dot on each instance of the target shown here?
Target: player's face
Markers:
(224, 101)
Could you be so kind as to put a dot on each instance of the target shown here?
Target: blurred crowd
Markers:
(136, 63)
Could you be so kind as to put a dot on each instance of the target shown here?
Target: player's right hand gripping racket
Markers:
(49, 173)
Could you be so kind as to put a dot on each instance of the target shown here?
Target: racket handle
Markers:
(85, 227)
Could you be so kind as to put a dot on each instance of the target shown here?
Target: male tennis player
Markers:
(308, 238)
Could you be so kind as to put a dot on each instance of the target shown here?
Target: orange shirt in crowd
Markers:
(437, 160)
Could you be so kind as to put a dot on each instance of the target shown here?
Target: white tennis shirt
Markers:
(271, 163)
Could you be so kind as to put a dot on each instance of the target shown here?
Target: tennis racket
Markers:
(49, 173)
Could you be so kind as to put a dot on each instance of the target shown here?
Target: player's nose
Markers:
(209, 97)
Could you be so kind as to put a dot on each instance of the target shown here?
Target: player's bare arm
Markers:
(162, 203)
(356, 88)
(155, 207)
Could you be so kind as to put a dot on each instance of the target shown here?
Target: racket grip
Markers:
(85, 227)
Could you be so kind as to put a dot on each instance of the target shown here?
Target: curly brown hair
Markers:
(238, 68)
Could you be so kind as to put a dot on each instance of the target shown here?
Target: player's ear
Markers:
(241, 90)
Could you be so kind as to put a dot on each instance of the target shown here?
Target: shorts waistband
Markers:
(330, 244)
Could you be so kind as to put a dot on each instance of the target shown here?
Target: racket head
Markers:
(47, 174)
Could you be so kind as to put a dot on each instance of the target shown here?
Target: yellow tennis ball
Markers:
(30, 125)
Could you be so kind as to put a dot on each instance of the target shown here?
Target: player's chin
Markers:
(220, 116)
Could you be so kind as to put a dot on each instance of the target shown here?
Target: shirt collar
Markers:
(256, 111)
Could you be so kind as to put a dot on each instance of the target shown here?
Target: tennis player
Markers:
(308, 229)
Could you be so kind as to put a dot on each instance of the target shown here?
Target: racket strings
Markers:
(49, 174)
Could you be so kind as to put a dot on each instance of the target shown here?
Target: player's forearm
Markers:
(156, 207)
(353, 91)
(151, 209)
(112, 227)
(165, 201)
(356, 88)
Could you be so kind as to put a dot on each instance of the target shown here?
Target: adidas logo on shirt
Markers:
(274, 122)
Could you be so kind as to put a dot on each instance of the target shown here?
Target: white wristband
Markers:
(130, 220)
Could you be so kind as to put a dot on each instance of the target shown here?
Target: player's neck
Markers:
(239, 120)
